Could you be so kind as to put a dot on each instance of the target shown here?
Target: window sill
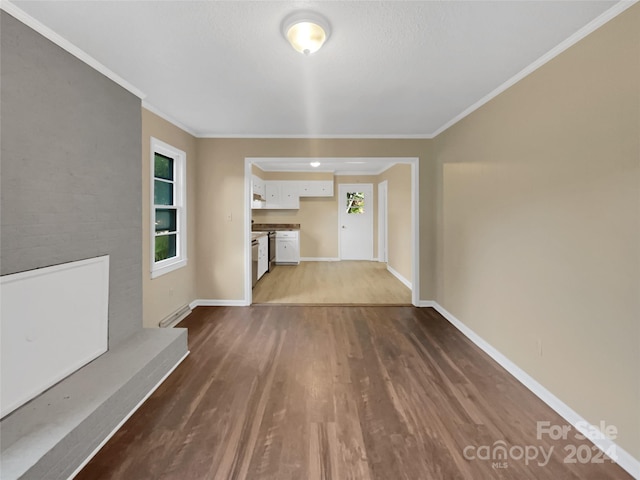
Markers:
(159, 271)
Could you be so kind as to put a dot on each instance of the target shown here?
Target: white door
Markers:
(355, 215)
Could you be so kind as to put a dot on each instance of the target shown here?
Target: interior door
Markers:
(355, 215)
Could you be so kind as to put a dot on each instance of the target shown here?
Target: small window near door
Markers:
(168, 211)
(355, 202)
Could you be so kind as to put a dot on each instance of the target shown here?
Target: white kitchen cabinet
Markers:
(289, 195)
(282, 195)
(272, 190)
(288, 247)
(257, 190)
(263, 255)
(316, 188)
(258, 185)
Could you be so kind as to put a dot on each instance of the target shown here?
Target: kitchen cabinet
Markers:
(282, 195)
(288, 247)
(263, 255)
(257, 192)
(258, 185)
(316, 188)
(286, 194)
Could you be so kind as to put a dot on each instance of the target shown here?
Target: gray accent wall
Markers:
(71, 188)
(70, 169)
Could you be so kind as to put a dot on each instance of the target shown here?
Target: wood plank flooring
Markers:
(345, 282)
(292, 392)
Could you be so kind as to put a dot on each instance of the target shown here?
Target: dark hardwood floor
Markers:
(293, 392)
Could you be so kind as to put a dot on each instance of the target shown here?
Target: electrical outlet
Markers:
(229, 217)
(540, 346)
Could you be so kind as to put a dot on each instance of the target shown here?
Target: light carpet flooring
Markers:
(345, 282)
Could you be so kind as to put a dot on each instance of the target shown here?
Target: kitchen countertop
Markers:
(274, 227)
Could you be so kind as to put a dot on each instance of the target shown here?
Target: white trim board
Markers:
(397, 274)
(217, 303)
(624, 458)
(122, 422)
(319, 259)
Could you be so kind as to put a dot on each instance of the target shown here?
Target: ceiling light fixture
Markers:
(306, 31)
(315, 164)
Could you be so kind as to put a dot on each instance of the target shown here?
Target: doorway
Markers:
(323, 260)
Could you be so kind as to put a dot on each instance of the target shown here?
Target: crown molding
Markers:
(147, 106)
(66, 45)
(590, 27)
(328, 136)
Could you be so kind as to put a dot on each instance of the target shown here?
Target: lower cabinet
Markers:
(288, 247)
(263, 255)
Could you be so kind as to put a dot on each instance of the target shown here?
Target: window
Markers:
(355, 202)
(168, 208)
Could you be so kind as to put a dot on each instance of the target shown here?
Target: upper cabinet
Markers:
(282, 195)
(258, 193)
(286, 194)
(316, 188)
(257, 186)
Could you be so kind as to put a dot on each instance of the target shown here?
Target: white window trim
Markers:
(180, 199)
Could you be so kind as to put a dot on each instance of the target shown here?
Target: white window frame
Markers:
(180, 202)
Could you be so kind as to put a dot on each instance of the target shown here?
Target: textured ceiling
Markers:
(397, 68)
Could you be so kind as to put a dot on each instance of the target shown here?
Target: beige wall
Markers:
(539, 225)
(164, 295)
(220, 196)
(399, 256)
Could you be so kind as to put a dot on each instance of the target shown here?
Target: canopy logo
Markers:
(499, 453)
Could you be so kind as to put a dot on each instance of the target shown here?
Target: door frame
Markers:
(415, 223)
(352, 186)
(383, 222)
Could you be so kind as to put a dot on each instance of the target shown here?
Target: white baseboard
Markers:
(319, 259)
(426, 303)
(623, 458)
(395, 273)
(113, 432)
(217, 303)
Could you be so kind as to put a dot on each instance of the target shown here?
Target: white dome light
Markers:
(306, 31)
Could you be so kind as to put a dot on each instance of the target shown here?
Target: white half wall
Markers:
(54, 320)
